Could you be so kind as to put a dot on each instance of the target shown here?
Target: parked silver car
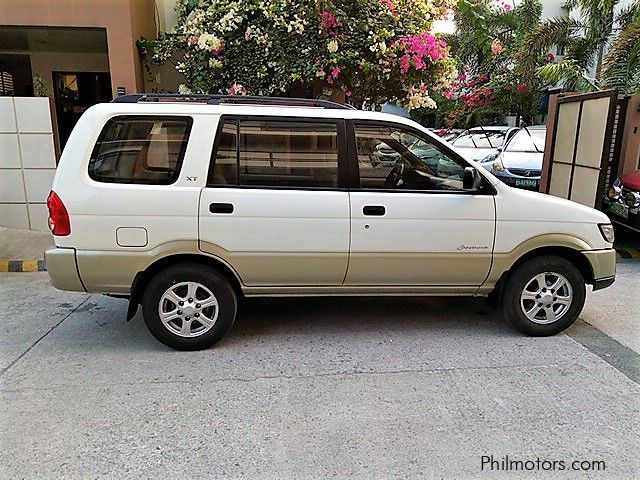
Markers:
(519, 163)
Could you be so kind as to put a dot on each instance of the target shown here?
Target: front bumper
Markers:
(603, 266)
(63, 269)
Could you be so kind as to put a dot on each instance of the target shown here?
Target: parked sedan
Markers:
(622, 201)
(519, 164)
(483, 144)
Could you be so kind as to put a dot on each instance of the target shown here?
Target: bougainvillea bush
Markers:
(372, 50)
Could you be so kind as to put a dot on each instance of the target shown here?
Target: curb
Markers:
(22, 266)
(623, 252)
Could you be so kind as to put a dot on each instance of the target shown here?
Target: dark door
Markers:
(74, 93)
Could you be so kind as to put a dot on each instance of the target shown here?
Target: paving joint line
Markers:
(4, 370)
(620, 357)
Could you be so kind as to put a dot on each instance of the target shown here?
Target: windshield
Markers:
(480, 139)
(527, 140)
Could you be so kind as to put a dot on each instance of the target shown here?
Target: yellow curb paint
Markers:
(4, 265)
(29, 265)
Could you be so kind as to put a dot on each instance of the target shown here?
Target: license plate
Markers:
(619, 209)
(526, 182)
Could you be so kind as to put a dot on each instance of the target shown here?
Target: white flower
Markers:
(215, 63)
(332, 46)
(210, 42)
(417, 98)
(183, 89)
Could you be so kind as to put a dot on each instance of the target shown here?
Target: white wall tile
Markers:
(9, 152)
(38, 216)
(38, 184)
(37, 150)
(33, 114)
(7, 115)
(14, 215)
(11, 186)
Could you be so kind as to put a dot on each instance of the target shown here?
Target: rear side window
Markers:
(140, 149)
(276, 153)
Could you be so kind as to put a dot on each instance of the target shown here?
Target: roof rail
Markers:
(230, 100)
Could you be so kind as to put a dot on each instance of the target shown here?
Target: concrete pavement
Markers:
(304, 388)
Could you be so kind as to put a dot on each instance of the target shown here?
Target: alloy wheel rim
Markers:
(546, 298)
(188, 309)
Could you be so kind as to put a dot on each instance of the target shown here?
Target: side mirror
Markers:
(471, 179)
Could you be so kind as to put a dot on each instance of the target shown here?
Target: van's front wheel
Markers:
(544, 296)
(189, 306)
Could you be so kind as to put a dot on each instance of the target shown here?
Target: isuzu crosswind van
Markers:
(185, 205)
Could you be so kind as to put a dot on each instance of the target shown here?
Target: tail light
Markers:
(58, 217)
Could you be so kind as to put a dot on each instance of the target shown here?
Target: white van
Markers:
(186, 204)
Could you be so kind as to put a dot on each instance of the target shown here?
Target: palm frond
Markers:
(628, 15)
(554, 31)
(569, 74)
(621, 65)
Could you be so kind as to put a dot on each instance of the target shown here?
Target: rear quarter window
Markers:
(140, 150)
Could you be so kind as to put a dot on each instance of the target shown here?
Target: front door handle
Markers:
(374, 210)
(221, 208)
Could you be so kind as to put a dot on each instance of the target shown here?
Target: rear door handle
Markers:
(221, 208)
(374, 210)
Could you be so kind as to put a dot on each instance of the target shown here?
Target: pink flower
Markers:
(483, 78)
(522, 88)
(237, 89)
(419, 49)
(496, 47)
(330, 23)
(335, 72)
(391, 7)
(192, 40)
(550, 57)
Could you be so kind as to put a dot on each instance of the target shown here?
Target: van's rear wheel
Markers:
(189, 306)
(544, 296)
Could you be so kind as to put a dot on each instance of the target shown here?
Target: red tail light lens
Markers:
(58, 217)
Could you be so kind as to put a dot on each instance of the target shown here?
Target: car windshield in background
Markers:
(480, 139)
(527, 140)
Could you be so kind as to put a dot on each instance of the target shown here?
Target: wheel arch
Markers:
(576, 257)
(143, 278)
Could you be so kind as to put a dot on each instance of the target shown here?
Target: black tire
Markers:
(515, 284)
(190, 272)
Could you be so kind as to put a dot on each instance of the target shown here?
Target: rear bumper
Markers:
(603, 266)
(63, 269)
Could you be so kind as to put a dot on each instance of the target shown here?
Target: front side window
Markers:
(277, 153)
(140, 149)
(391, 157)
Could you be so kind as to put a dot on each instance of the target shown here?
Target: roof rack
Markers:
(231, 100)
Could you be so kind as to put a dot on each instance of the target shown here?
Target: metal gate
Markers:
(581, 147)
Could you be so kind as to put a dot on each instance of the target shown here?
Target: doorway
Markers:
(74, 92)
